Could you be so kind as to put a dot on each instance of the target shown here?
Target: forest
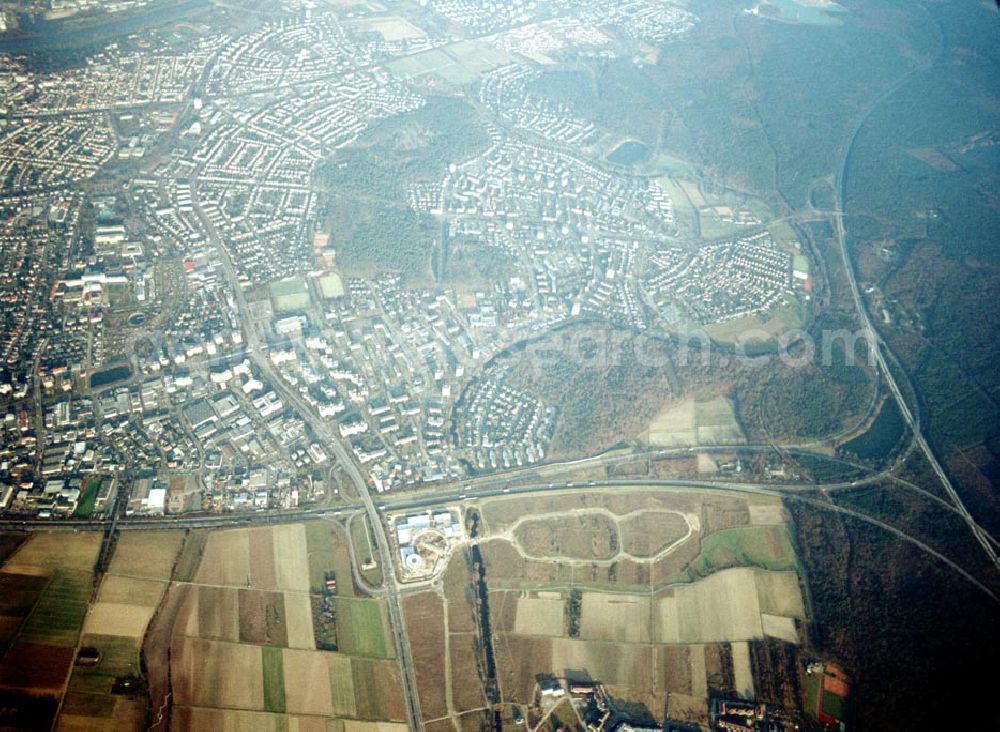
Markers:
(371, 222)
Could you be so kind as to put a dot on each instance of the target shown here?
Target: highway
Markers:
(800, 492)
(875, 342)
(877, 345)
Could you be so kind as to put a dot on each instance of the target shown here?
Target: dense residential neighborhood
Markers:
(177, 325)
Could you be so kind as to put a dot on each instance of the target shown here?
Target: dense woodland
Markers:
(371, 222)
(917, 638)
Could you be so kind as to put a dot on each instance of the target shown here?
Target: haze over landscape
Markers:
(373, 365)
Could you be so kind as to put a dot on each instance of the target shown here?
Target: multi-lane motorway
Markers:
(875, 342)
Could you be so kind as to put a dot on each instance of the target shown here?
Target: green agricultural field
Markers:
(98, 706)
(458, 63)
(119, 657)
(683, 210)
(60, 611)
(782, 232)
(716, 422)
(373, 682)
(691, 422)
(361, 628)
(327, 551)
(360, 537)
(88, 497)
(713, 227)
(766, 547)
(777, 320)
(342, 684)
(663, 163)
(274, 679)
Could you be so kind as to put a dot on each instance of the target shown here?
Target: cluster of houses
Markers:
(645, 21)
(503, 427)
(506, 91)
(129, 357)
(723, 281)
(43, 152)
(114, 78)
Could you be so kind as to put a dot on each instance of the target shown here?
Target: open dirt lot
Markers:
(674, 667)
(290, 557)
(130, 590)
(262, 618)
(699, 671)
(35, 667)
(518, 659)
(378, 690)
(148, 554)
(233, 720)
(742, 672)
(214, 674)
(212, 612)
(466, 689)
(764, 514)
(577, 536)
(263, 572)
(458, 591)
(242, 649)
(613, 617)
(777, 626)
(721, 607)
(648, 533)
(307, 689)
(725, 606)
(269, 558)
(298, 621)
(614, 663)
(226, 560)
(67, 561)
(351, 725)
(540, 616)
(56, 550)
(423, 615)
(113, 618)
(779, 594)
